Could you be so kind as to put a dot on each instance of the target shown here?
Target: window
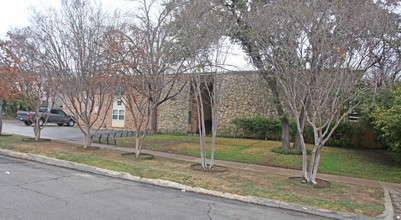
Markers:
(118, 114)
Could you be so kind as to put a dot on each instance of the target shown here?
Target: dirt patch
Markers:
(321, 184)
(142, 156)
(214, 169)
(33, 140)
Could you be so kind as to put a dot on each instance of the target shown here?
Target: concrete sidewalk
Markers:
(261, 168)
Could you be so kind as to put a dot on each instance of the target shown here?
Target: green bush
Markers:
(258, 127)
(341, 136)
(281, 150)
(387, 120)
(270, 128)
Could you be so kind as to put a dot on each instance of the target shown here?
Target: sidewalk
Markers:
(261, 168)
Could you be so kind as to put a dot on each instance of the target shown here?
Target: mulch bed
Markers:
(215, 168)
(33, 140)
(142, 156)
(321, 184)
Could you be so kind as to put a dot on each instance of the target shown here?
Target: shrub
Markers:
(270, 128)
(258, 127)
(281, 150)
(388, 119)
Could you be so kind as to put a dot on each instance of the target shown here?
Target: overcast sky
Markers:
(16, 13)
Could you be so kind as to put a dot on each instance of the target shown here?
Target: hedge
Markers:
(260, 127)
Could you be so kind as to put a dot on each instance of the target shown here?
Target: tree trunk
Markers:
(285, 133)
(88, 138)
(1, 116)
(36, 130)
(153, 124)
(214, 133)
(305, 177)
(297, 141)
(285, 125)
(314, 163)
(137, 144)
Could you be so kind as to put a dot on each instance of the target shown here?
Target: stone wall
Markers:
(174, 113)
(244, 95)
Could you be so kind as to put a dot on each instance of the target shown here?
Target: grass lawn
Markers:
(360, 163)
(342, 197)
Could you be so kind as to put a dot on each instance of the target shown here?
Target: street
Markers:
(31, 190)
(51, 131)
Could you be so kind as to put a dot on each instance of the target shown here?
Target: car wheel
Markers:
(41, 122)
(70, 123)
(27, 123)
(60, 124)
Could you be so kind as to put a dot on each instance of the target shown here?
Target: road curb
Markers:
(169, 184)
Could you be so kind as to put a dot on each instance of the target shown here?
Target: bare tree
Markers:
(71, 39)
(150, 38)
(320, 52)
(33, 82)
(240, 14)
(200, 37)
(143, 53)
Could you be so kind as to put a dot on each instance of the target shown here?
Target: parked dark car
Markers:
(55, 116)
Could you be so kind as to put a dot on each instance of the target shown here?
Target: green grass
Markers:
(359, 163)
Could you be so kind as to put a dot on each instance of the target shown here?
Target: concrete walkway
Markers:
(261, 168)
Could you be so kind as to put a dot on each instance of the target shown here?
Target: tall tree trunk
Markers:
(285, 125)
(153, 124)
(297, 141)
(285, 133)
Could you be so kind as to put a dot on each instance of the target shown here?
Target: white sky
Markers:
(16, 13)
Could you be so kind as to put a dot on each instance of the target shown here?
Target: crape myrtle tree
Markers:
(202, 46)
(320, 52)
(132, 88)
(8, 73)
(33, 82)
(72, 38)
(150, 38)
(142, 50)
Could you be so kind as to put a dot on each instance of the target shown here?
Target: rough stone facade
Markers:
(244, 95)
(174, 113)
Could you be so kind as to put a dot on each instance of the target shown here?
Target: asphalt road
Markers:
(51, 131)
(31, 190)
